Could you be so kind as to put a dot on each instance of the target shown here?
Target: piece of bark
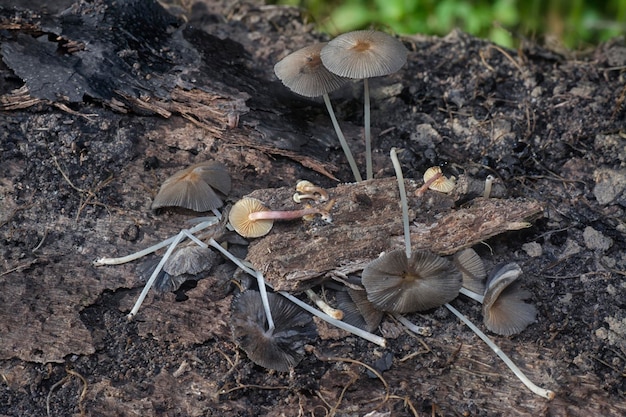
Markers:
(367, 221)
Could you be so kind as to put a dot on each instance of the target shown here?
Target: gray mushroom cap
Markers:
(192, 188)
(303, 73)
(400, 285)
(504, 309)
(472, 268)
(364, 54)
(281, 349)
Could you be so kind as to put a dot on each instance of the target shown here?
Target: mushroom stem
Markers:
(471, 294)
(342, 140)
(418, 330)
(518, 372)
(210, 221)
(260, 281)
(403, 201)
(285, 214)
(332, 312)
(488, 182)
(368, 134)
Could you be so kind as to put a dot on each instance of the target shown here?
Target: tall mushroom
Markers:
(363, 54)
(303, 73)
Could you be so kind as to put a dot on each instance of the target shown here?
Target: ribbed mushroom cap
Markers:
(504, 311)
(400, 285)
(284, 347)
(192, 188)
(303, 73)
(364, 54)
(357, 310)
(240, 220)
(442, 184)
(473, 270)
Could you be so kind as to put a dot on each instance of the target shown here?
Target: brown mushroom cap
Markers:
(281, 349)
(504, 309)
(400, 285)
(240, 220)
(364, 54)
(303, 73)
(192, 188)
(442, 184)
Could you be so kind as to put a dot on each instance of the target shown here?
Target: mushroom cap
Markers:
(442, 184)
(240, 220)
(360, 312)
(400, 285)
(284, 347)
(303, 73)
(192, 188)
(504, 309)
(472, 269)
(364, 54)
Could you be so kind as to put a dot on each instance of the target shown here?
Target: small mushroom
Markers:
(504, 309)
(398, 284)
(192, 188)
(435, 180)
(363, 54)
(303, 73)
(250, 218)
(307, 190)
(488, 185)
(472, 269)
(281, 348)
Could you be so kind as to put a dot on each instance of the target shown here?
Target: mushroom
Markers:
(398, 284)
(192, 188)
(488, 185)
(504, 309)
(281, 348)
(435, 180)
(307, 190)
(357, 309)
(472, 269)
(303, 73)
(363, 54)
(250, 218)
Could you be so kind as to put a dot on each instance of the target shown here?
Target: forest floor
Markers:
(93, 119)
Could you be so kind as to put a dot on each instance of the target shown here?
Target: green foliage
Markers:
(572, 22)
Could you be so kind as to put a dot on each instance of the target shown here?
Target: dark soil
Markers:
(101, 103)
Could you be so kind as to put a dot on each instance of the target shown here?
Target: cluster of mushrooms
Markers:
(273, 327)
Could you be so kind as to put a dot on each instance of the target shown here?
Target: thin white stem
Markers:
(471, 294)
(133, 256)
(368, 134)
(518, 372)
(418, 330)
(260, 280)
(337, 323)
(342, 140)
(332, 312)
(488, 183)
(403, 201)
(177, 239)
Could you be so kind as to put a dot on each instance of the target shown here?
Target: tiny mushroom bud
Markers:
(250, 218)
(363, 54)
(488, 184)
(281, 348)
(398, 284)
(504, 311)
(192, 188)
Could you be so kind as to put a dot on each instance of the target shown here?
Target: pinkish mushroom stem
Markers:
(427, 184)
(287, 214)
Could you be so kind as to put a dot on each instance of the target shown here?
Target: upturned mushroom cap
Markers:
(364, 54)
(400, 285)
(239, 218)
(192, 188)
(303, 73)
(472, 268)
(504, 311)
(442, 184)
(281, 349)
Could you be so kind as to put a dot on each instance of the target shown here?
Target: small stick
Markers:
(518, 372)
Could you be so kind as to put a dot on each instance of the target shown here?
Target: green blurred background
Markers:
(574, 24)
